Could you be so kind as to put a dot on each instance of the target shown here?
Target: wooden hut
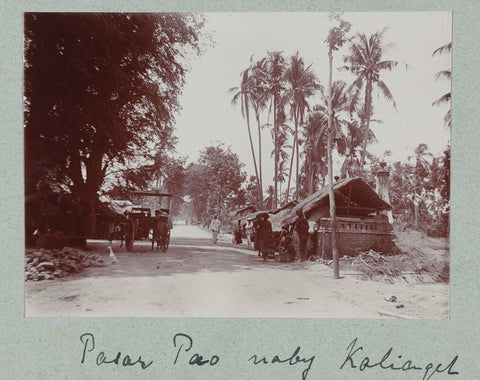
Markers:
(360, 222)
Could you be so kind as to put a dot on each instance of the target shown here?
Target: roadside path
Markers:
(196, 278)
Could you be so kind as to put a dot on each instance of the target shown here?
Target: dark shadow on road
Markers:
(185, 255)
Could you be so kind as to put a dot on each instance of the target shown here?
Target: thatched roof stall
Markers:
(244, 211)
(277, 216)
(252, 216)
(359, 225)
(353, 198)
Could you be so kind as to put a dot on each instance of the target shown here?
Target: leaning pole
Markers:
(331, 193)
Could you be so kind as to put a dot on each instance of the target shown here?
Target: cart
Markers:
(141, 219)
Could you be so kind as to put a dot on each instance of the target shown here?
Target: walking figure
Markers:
(215, 227)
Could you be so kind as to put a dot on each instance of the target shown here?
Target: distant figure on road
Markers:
(249, 232)
(264, 235)
(215, 227)
(160, 227)
(301, 226)
(237, 235)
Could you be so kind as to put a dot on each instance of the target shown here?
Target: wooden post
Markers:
(336, 272)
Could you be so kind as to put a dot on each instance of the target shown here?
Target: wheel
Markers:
(165, 243)
(130, 236)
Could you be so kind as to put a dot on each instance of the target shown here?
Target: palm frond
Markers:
(444, 99)
(443, 74)
(386, 93)
(447, 48)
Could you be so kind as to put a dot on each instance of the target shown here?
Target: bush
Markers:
(52, 240)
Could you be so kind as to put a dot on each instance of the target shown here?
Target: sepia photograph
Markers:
(237, 165)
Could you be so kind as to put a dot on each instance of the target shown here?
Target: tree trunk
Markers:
(92, 185)
(260, 158)
(297, 152)
(251, 147)
(293, 153)
(275, 129)
(331, 194)
(366, 117)
(312, 174)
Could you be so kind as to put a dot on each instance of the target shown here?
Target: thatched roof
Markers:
(277, 216)
(360, 193)
(287, 206)
(245, 209)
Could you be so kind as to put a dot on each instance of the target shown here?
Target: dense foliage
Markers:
(214, 181)
(100, 90)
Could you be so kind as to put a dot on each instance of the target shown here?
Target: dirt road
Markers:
(196, 278)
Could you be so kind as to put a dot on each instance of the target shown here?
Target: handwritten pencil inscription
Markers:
(356, 359)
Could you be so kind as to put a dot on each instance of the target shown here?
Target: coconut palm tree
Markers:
(274, 68)
(366, 61)
(282, 148)
(421, 173)
(314, 150)
(446, 74)
(243, 93)
(259, 100)
(354, 139)
(301, 84)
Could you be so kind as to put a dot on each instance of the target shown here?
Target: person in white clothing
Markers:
(249, 232)
(215, 227)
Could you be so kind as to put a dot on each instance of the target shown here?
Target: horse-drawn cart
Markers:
(146, 221)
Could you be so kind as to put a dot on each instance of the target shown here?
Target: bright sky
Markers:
(208, 116)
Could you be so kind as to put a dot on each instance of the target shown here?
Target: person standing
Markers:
(237, 236)
(249, 232)
(301, 227)
(215, 227)
(264, 235)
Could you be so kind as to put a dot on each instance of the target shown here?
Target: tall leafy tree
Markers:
(366, 61)
(301, 83)
(99, 88)
(274, 69)
(216, 176)
(284, 131)
(244, 94)
(259, 100)
(314, 141)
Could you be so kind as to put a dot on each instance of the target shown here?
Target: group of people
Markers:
(258, 232)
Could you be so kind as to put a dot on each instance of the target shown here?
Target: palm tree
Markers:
(244, 94)
(335, 39)
(420, 174)
(366, 62)
(259, 100)
(315, 153)
(269, 200)
(339, 111)
(284, 131)
(354, 139)
(282, 175)
(301, 84)
(274, 68)
(447, 75)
